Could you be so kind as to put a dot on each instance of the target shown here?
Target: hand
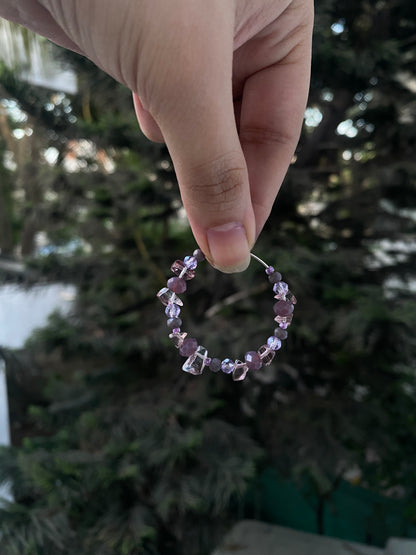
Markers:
(223, 82)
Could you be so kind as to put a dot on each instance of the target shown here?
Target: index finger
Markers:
(272, 111)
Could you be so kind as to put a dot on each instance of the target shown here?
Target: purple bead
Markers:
(199, 255)
(172, 310)
(179, 269)
(280, 288)
(174, 323)
(281, 334)
(284, 325)
(176, 330)
(275, 277)
(253, 360)
(227, 366)
(188, 347)
(274, 343)
(215, 365)
(269, 270)
(190, 262)
(266, 355)
(177, 285)
(283, 308)
(208, 361)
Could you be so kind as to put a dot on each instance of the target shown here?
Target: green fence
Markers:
(350, 513)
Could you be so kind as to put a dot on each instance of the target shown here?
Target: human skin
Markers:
(224, 83)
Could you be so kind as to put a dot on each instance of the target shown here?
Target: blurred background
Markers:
(111, 448)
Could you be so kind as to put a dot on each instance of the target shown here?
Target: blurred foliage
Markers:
(115, 449)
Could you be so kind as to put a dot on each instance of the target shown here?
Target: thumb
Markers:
(196, 118)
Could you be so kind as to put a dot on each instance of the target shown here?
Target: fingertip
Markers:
(229, 249)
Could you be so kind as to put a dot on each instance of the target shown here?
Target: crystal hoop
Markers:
(196, 355)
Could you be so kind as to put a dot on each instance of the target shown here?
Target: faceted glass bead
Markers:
(177, 338)
(275, 277)
(291, 297)
(172, 310)
(280, 333)
(199, 255)
(177, 285)
(196, 362)
(215, 365)
(266, 355)
(284, 325)
(283, 308)
(280, 288)
(190, 262)
(227, 366)
(274, 343)
(179, 266)
(188, 347)
(166, 296)
(269, 270)
(253, 360)
(287, 320)
(240, 371)
(174, 323)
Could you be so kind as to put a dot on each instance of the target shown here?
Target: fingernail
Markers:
(229, 247)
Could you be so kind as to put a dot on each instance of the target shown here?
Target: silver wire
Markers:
(259, 260)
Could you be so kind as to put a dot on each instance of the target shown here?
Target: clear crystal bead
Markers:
(166, 296)
(227, 366)
(291, 297)
(274, 343)
(172, 310)
(177, 338)
(280, 288)
(284, 320)
(240, 371)
(196, 362)
(266, 355)
(190, 262)
(179, 268)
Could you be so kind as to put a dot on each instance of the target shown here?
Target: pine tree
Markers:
(113, 451)
(118, 451)
(346, 223)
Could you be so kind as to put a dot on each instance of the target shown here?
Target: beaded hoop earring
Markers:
(196, 355)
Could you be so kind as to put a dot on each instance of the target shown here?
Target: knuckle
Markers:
(219, 183)
(264, 136)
